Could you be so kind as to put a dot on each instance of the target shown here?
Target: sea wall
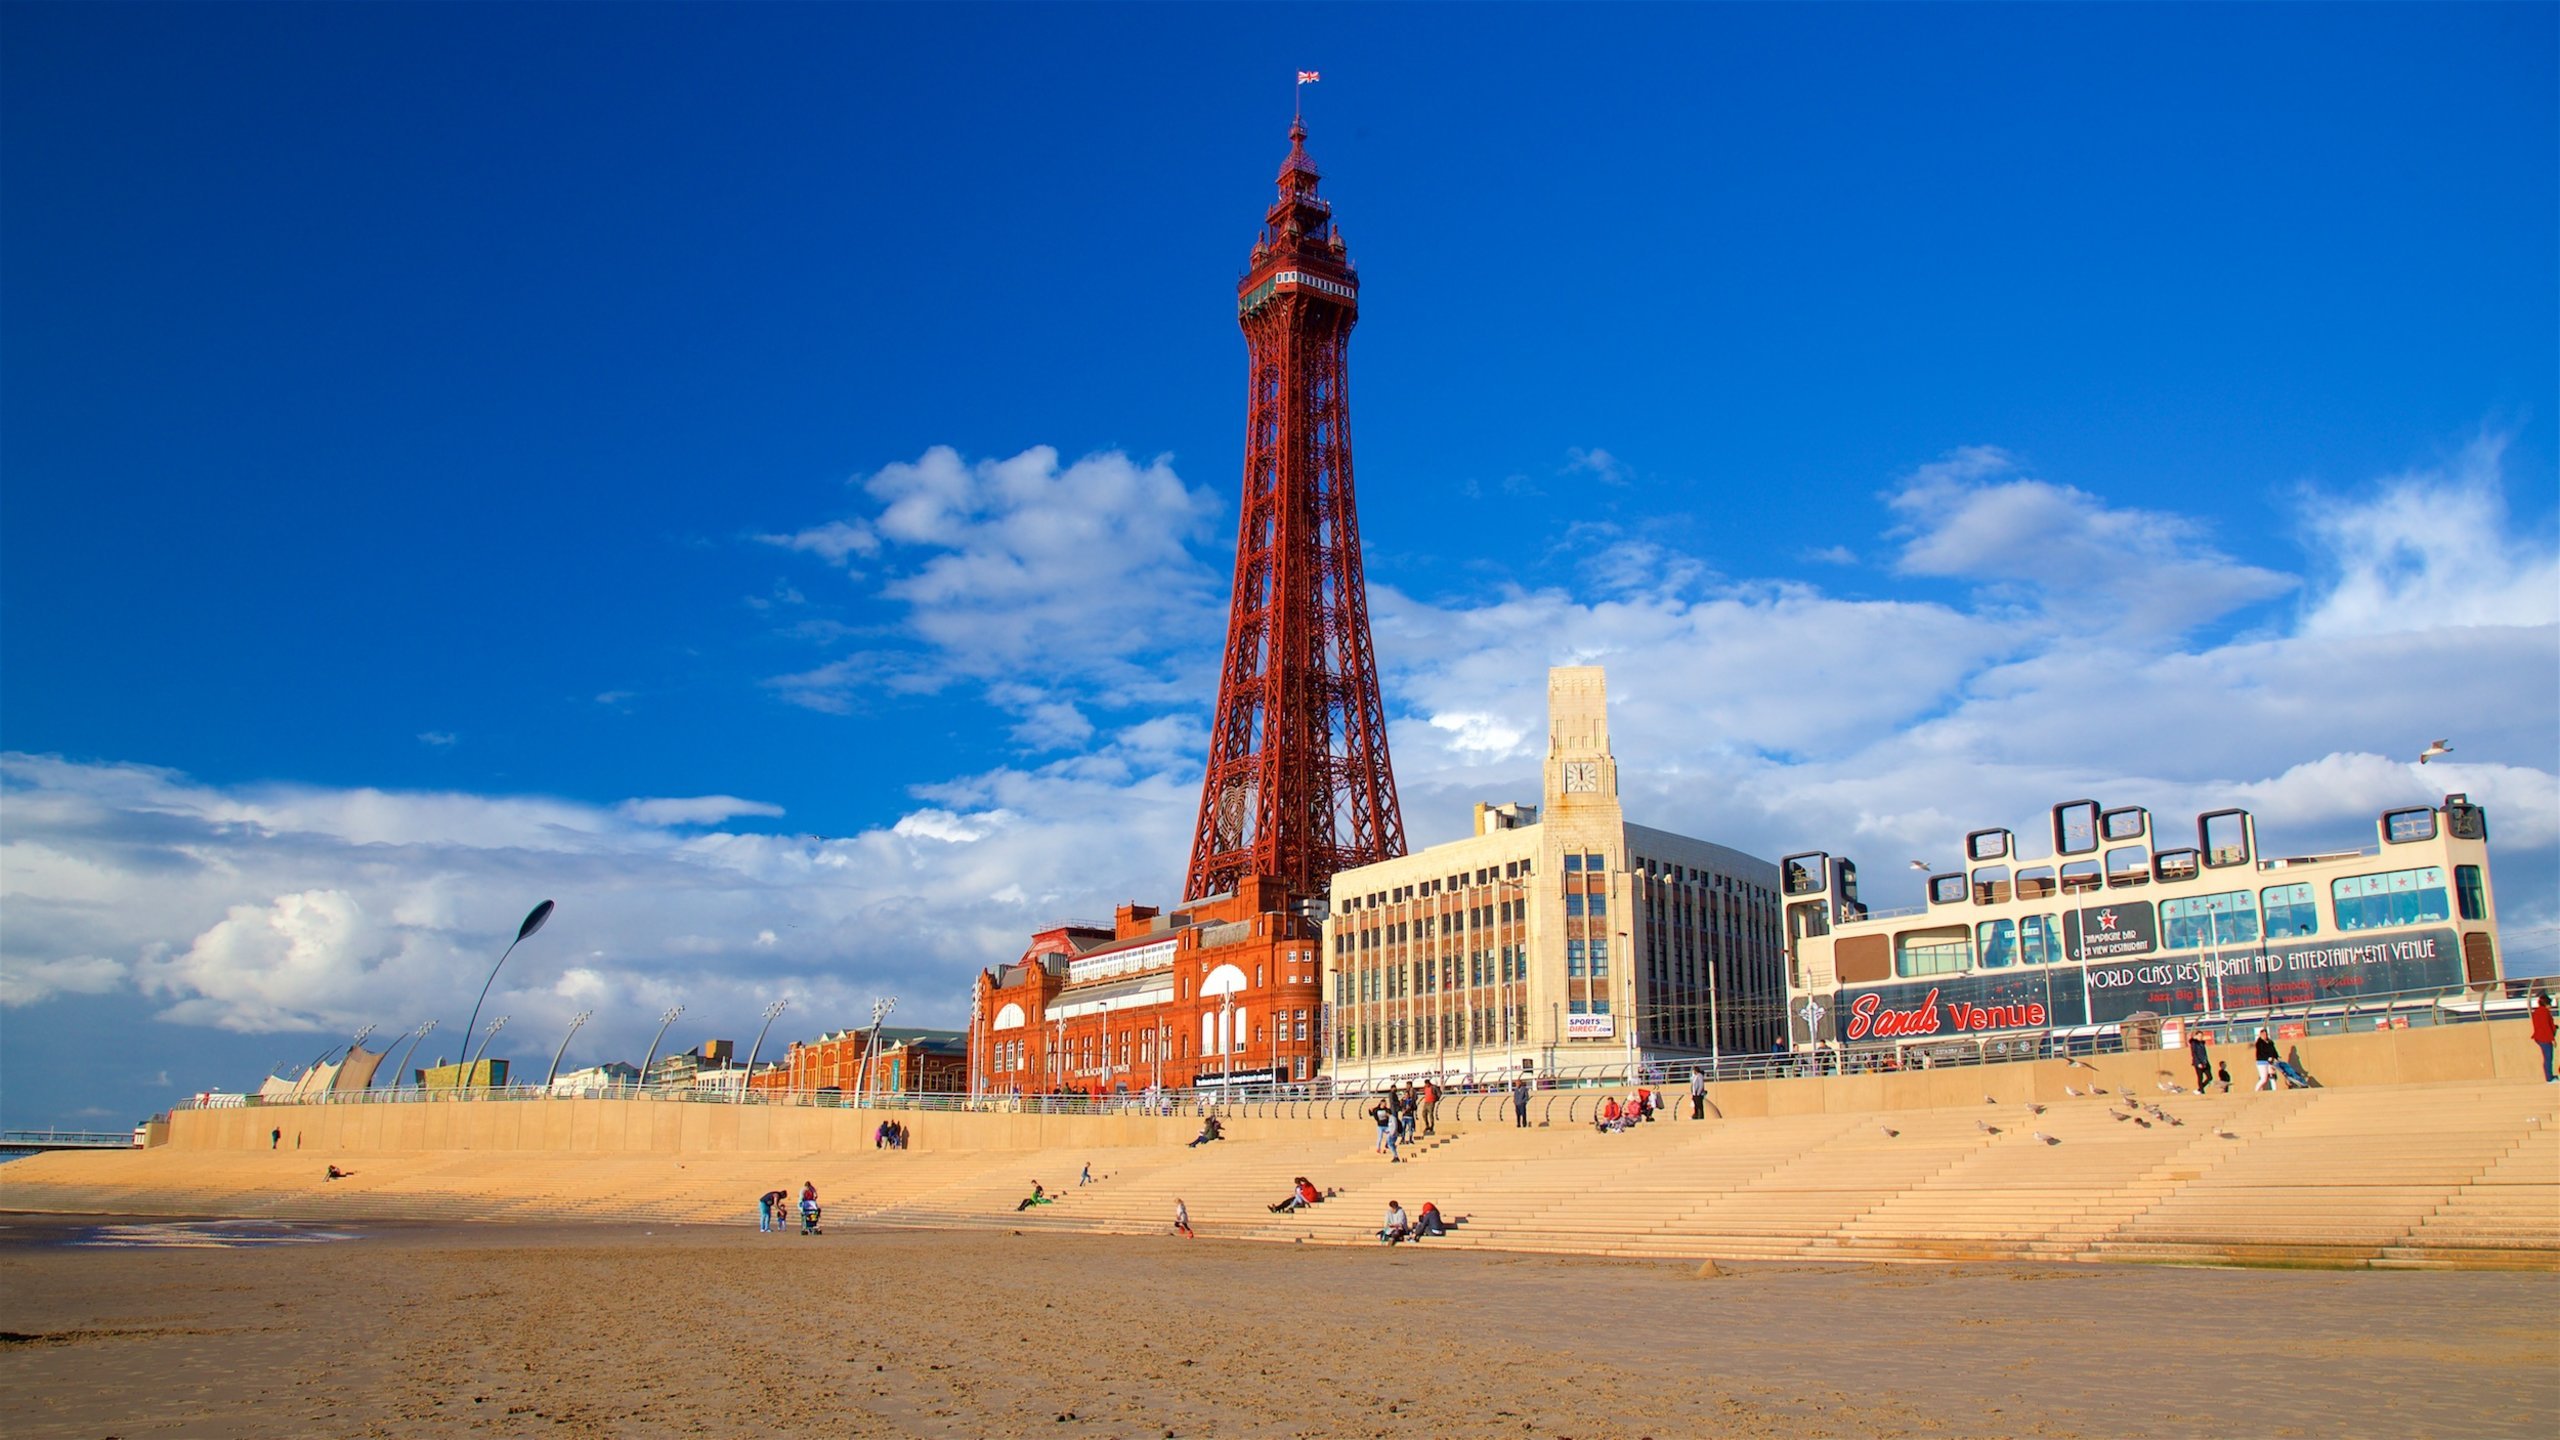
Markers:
(2497, 1051)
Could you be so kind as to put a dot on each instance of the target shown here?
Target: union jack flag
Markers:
(1308, 77)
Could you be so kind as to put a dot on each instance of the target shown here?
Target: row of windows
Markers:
(1426, 888)
(1492, 1025)
(2197, 922)
(1419, 977)
(1088, 1052)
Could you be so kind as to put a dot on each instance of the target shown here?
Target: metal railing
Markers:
(1484, 1095)
(53, 1139)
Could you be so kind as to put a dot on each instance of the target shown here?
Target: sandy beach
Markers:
(628, 1332)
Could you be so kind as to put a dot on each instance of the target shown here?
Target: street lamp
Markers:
(414, 1038)
(871, 1048)
(574, 1022)
(532, 922)
(665, 1020)
(776, 1008)
(473, 1059)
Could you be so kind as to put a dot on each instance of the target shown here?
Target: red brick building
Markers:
(910, 1062)
(1224, 991)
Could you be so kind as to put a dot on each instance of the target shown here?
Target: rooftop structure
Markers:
(2117, 922)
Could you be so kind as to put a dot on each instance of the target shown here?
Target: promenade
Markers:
(2037, 1167)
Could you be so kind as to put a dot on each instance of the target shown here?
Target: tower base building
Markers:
(1557, 940)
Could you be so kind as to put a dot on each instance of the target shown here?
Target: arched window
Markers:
(1009, 1018)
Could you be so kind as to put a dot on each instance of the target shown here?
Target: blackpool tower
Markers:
(1298, 783)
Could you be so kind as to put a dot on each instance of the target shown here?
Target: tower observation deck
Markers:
(1298, 783)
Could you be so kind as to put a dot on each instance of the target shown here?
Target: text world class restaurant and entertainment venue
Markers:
(2110, 929)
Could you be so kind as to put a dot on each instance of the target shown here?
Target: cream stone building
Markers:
(1556, 939)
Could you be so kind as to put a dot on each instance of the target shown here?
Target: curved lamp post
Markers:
(574, 1022)
(414, 1038)
(770, 1011)
(871, 1048)
(474, 1058)
(665, 1020)
(524, 932)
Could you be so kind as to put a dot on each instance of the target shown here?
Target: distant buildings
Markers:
(910, 1061)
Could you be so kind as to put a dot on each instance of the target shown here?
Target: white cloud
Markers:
(999, 566)
(1973, 516)
(270, 909)
(439, 739)
(24, 982)
(694, 810)
(836, 541)
(2432, 549)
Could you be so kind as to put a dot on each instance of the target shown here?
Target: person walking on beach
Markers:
(2201, 1058)
(1520, 1103)
(275, 1137)
(2265, 1053)
(2540, 1018)
(764, 1211)
(1182, 1220)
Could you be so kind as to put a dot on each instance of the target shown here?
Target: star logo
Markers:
(2106, 919)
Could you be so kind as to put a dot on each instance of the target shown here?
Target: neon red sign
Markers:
(1869, 1017)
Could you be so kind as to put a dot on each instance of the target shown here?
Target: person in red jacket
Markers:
(2542, 1032)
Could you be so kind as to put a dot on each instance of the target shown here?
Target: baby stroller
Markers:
(809, 1216)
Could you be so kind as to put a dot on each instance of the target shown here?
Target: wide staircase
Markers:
(2463, 1175)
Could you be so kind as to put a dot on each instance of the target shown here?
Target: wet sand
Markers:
(623, 1332)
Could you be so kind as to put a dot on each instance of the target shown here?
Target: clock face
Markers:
(1581, 776)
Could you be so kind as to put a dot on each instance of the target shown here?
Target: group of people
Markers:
(1613, 1116)
(1210, 1130)
(890, 1135)
(1037, 1196)
(773, 1210)
(1399, 1228)
(1403, 1109)
(1302, 1193)
(2275, 1071)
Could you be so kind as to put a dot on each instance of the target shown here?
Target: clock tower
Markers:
(1582, 776)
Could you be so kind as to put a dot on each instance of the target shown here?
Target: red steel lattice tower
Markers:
(1298, 783)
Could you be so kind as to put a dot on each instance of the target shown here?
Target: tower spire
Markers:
(1298, 783)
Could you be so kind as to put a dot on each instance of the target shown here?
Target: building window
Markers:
(1299, 1024)
(1998, 940)
(2208, 920)
(2039, 940)
(1599, 905)
(1573, 864)
(1574, 960)
(2470, 893)
(1929, 952)
(1599, 959)
(2395, 897)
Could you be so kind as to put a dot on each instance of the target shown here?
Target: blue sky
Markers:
(764, 476)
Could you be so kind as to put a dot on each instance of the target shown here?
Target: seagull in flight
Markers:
(2433, 750)
(1923, 866)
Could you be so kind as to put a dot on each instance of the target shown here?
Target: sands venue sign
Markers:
(1870, 1019)
(1956, 1006)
